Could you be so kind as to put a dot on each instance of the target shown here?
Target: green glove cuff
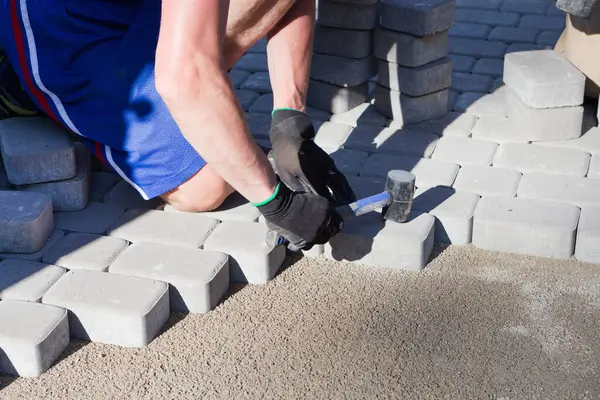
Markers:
(282, 109)
(270, 199)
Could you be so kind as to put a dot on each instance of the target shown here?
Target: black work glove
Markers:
(300, 163)
(304, 219)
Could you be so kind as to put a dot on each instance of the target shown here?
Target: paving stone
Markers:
(594, 171)
(465, 151)
(429, 173)
(251, 259)
(54, 237)
(32, 337)
(499, 130)
(4, 183)
(471, 83)
(153, 226)
(347, 16)
(246, 98)
(525, 7)
(408, 50)
(469, 31)
(392, 141)
(451, 124)
(452, 97)
(481, 104)
(341, 71)
(482, 4)
(349, 43)
(370, 240)
(349, 161)
(418, 81)
(253, 62)
(262, 105)
(25, 221)
(476, 48)
(587, 247)
(532, 158)
(259, 124)
(498, 84)
(542, 22)
(124, 195)
(332, 135)
(258, 82)
(95, 218)
(238, 76)
(461, 63)
(513, 35)
(259, 47)
(554, 11)
(487, 17)
(544, 124)
(100, 184)
(488, 181)
(335, 99)
(523, 226)
(317, 115)
(197, 279)
(27, 280)
(589, 142)
(417, 18)
(364, 114)
(453, 211)
(113, 309)
(523, 47)
(36, 149)
(234, 208)
(85, 251)
(410, 110)
(560, 188)
(488, 66)
(365, 187)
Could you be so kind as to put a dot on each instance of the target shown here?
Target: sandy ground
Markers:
(473, 325)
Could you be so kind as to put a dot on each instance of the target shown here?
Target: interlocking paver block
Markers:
(531, 158)
(55, 236)
(27, 280)
(525, 7)
(560, 188)
(419, 18)
(465, 151)
(408, 109)
(499, 130)
(182, 229)
(523, 226)
(524, 47)
(342, 71)
(124, 195)
(451, 124)
(348, 161)
(461, 63)
(251, 259)
(544, 79)
(259, 124)
(253, 62)
(264, 104)
(392, 141)
(418, 81)
(332, 134)
(487, 17)
(481, 104)
(197, 279)
(594, 171)
(335, 99)
(452, 97)
(101, 183)
(85, 251)
(349, 43)
(109, 308)
(237, 77)
(408, 50)
(429, 173)
(36, 149)
(95, 218)
(4, 183)
(347, 16)
(234, 208)
(482, 4)
(509, 34)
(366, 186)
(587, 247)
(453, 211)
(372, 241)
(258, 82)
(25, 221)
(364, 114)
(317, 115)
(544, 124)
(246, 98)
(488, 181)
(469, 31)
(259, 47)
(462, 82)
(542, 22)
(489, 66)
(476, 48)
(32, 337)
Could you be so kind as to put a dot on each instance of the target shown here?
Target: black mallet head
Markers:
(401, 187)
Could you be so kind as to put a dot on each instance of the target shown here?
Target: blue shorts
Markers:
(89, 65)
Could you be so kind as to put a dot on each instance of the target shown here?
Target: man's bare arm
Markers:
(193, 81)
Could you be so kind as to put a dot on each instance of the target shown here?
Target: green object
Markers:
(267, 201)
(283, 109)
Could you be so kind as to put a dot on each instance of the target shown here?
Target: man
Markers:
(145, 84)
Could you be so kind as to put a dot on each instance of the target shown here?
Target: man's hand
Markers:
(300, 163)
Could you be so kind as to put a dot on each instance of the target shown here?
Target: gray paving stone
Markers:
(544, 79)
(461, 63)
(451, 124)
(95, 218)
(469, 31)
(482, 4)
(124, 195)
(453, 211)
(465, 151)
(332, 135)
(452, 97)
(462, 82)
(594, 171)
(259, 124)
(259, 47)
(113, 309)
(36, 149)
(418, 18)
(523, 226)
(258, 82)
(476, 48)
(335, 99)
(588, 142)
(246, 98)
(54, 237)
(366, 186)
(251, 259)
(359, 2)
(370, 240)
(4, 183)
(234, 208)
(429, 173)
(85, 251)
(347, 16)
(32, 337)
(418, 81)
(410, 110)
(498, 84)
(587, 247)
(542, 22)
(487, 17)
(238, 76)
(544, 124)
(252, 62)
(317, 115)
(548, 38)
(349, 43)
(363, 114)
(408, 50)
(532, 158)
(349, 161)
(513, 35)
(493, 67)
(481, 104)
(197, 279)
(499, 130)
(153, 226)
(262, 105)
(392, 141)
(488, 181)
(342, 71)
(524, 47)
(27, 280)
(560, 188)
(100, 184)
(25, 221)
(525, 7)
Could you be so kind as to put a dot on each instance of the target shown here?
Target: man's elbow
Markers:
(181, 81)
